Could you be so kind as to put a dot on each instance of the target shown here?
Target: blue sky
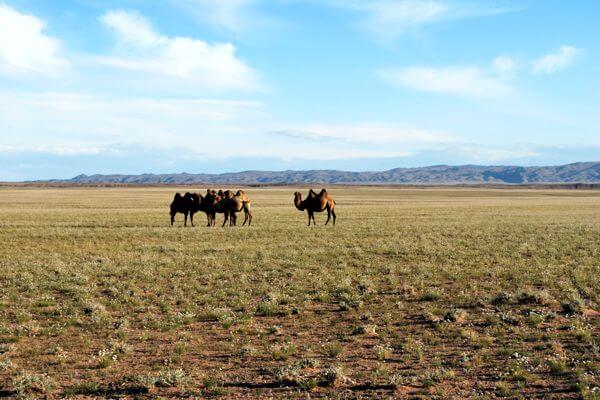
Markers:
(90, 86)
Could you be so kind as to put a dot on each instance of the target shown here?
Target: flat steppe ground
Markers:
(464, 293)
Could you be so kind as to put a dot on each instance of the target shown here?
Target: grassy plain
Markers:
(467, 293)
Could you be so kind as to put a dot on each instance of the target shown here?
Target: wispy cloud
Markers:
(390, 19)
(553, 62)
(24, 47)
(74, 124)
(142, 49)
(70, 120)
(236, 16)
(505, 66)
(470, 81)
(364, 133)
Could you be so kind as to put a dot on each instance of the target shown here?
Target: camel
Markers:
(227, 203)
(234, 203)
(213, 204)
(316, 203)
(188, 204)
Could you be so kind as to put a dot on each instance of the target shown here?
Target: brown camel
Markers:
(234, 203)
(213, 204)
(316, 203)
(227, 203)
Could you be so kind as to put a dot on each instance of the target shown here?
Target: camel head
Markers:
(298, 201)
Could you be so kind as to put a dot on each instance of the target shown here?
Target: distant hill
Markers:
(584, 172)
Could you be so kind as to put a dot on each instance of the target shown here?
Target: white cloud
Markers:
(132, 29)
(391, 18)
(72, 121)
(553, 62)
(74, 124)
(237, 16)
(25, 48)
(486, 154)
(365, 133)
(505, 65)
(214, 66)
(464, 81)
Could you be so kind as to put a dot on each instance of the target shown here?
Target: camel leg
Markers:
(313, 218)
(328, 215)
(247, 215)
(185, 219)
(333, 214)
(192, 218)
(226, 217)
(172, 218)
(213, 218)
(308, 218)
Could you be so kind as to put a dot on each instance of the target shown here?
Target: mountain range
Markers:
(583, 172)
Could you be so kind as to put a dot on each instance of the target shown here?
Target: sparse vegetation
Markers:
(420, 291)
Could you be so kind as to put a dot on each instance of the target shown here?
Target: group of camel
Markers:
(229, 204)
(223, 202)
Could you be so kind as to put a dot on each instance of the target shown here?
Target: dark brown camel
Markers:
(188, 204)
(316, 203)
(212, 204)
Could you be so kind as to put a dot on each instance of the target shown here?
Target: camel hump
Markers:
(178, 196)
(323, 191)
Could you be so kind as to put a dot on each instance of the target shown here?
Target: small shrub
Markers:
(210, 314)
(171, 378)
(574, 306)
(414, 348)
(213, 386)
(333, 376)
(6, 365)
(84, 389)
(291, 375)
(383, 351)
(25, 384)
(397, 380)
(431, 295)
(557, 365)
(370, 330)
(270, 309)
(308, 363)
(430, 378)
(516, 372)
(533, 297)
(503, 389)
(147, 382)
(500, 298)
(283, 352)
(106, 357)
(333, 350)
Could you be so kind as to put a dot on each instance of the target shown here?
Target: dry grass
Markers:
(448, 292)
